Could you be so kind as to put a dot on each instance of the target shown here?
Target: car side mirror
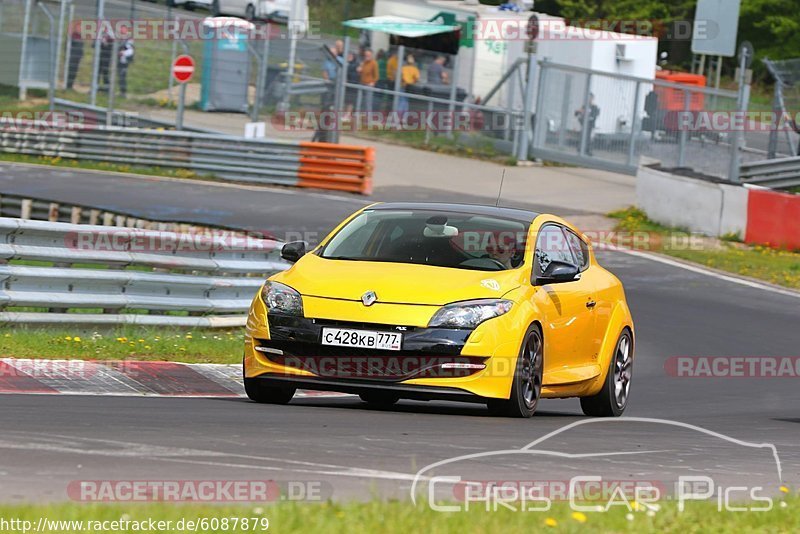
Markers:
(293, 250)
(558, 272)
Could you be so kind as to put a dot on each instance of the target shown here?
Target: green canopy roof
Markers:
(402, 26)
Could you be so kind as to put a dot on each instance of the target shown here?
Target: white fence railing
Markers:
(70, 273)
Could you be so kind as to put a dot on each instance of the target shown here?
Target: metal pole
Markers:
(398, 76)
(341, 79)
(62, 13)
(525, 139)
(171, 81)
(68, 53)
(428, 130)
(772, 147)
(112, 85)
(634, 120)
(562, 129)
(261, 79)
(293, 16)
(586, 116)
(181, 102)
(540, 127)
(742, 105)
(453, 94)
(96, 63)
(51, 82)
(687, 106)
(24, 51)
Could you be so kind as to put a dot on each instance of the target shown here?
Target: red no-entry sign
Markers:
(183, 68)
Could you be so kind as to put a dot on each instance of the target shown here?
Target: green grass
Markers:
(131, 343)
(103, 166)
(404, 518)
(779, 267)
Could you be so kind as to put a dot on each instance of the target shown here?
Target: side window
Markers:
(579, 249)
(551, 245)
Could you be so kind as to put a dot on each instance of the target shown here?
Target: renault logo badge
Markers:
(369, 298)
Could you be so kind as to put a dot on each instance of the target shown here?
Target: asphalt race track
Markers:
(355, 451)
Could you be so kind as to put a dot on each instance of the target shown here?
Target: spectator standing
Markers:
(75, 56)
(126, 53)
(409, 76)
(391, 66)
(369, 76)
(330, 70)
(436, 72)
(590, 118)
(106, 48)
(353, 77)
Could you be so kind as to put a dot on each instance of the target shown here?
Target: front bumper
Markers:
(434, 363)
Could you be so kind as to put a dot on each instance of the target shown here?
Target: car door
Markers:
(568, 320)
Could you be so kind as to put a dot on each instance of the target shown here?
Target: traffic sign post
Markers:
(182, 71)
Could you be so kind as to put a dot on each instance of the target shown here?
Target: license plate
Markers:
(365, 339)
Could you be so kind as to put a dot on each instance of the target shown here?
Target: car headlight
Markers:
(282, 298)
(470, 313)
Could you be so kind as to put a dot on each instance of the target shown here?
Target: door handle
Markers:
(591, 304)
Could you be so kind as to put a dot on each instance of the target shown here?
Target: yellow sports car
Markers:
(444, 301)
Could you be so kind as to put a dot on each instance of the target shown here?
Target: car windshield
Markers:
(429, 237)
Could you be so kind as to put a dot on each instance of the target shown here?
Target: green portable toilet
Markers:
(226, 64)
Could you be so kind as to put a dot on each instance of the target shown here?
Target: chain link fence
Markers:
(579, 116)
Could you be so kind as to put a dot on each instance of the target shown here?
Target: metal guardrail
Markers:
(774, 173)
(301, 164)
(125, 275)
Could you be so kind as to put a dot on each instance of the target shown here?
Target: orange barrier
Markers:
(336, 167)
(673, 99)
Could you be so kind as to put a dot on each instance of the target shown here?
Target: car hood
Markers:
(398, 283)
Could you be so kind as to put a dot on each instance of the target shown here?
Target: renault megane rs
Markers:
(444, 301)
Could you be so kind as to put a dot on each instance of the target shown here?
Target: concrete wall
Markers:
(697, 205)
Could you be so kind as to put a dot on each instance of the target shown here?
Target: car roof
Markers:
(516, 214)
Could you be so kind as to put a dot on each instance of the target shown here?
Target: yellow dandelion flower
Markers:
(580, 517)
(68, 338)
(76, 339)
(784, 489)
(550, 522)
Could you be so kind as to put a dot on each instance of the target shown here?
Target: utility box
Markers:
(226, 65)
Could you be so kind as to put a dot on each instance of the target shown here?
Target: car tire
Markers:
(526, 387)
(250, 13)
(189, 6)
(379, 398)
(612, 400)
(257, 392)
(214, 9)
